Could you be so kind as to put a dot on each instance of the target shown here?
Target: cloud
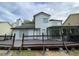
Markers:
(65, 10)
(58, 10)
(7, 15)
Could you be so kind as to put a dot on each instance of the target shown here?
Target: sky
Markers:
(10, 11)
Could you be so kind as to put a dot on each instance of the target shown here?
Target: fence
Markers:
(68, 38)
(39, 37)
(7, 37)
(62, 39)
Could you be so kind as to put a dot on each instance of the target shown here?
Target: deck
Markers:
(37, 44)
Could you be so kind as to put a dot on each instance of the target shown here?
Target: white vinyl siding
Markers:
(41, 21)
(21, 33)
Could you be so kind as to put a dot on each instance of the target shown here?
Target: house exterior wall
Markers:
(5, 28)
(39, 22)
(54, 23)
(72, 20)
(17, 34)
(26, 32)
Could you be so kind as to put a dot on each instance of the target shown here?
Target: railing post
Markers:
(13, 40)
(47, 34)
(5, 37)
(33, 34)
(22, 40)
(11, 37)
(43, 43)
(64, 44)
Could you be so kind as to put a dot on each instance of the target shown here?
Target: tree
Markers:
(27, 22)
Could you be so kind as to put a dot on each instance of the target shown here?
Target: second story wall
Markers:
(41, 21)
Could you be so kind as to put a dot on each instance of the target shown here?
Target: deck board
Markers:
(36, 43)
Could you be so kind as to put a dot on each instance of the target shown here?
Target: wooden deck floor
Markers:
(49, 44)
(37, 43)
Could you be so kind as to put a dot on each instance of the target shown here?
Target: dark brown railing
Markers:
(5, 37)
(12, 45)
(8, 37)
(63, 38)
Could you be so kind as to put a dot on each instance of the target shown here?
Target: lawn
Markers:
(73, 52)
(26, 53)
(31, 53)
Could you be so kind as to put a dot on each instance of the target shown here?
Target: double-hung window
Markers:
(45, 20)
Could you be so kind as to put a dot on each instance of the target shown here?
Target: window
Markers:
(45, 20)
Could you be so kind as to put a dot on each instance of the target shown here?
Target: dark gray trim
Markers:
(63, 26)
(55, 20)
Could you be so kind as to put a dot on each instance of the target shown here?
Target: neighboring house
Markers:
(5, 28)
(72, 20)
(38, 26)
(17, 23)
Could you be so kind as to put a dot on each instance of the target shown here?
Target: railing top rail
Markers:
(40, 35)
(6, 36)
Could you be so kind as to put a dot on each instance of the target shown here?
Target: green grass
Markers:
(21, 53)
(74, 52)
(25, 53)
(2, 52)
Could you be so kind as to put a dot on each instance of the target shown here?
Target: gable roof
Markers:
(27, 26)
(69, 17)
(6, 22)
(40, 13)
